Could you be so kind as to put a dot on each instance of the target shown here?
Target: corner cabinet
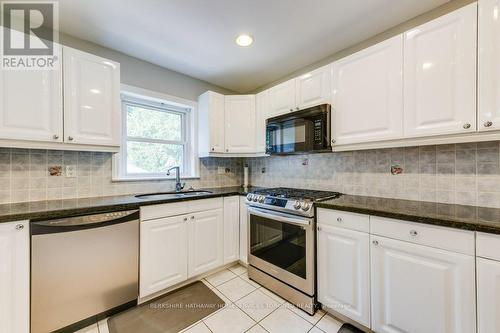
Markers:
(440, 75)
(367, 98)
(489, 66)
(240, 123)
(92, 113)
(14, 277)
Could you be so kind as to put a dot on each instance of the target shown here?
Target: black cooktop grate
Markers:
(294, 193)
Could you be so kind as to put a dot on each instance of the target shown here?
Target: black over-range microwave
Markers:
(304, 131)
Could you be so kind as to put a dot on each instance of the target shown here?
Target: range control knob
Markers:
(261, 199)
(255, 198)
(297, 204)
(306, 206)
(249, 196)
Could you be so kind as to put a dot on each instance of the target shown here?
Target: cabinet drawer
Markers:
(353, 221)
(179, 208)
(488, 246)
(456, 240)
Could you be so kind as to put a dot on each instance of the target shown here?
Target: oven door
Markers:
(282, 245)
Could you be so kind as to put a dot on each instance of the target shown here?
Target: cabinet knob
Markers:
(375, 242)
(19, 227)
(227, 150)
(297, 108)
(55, 137)
(339, 219)
(291, 109)
(192, 217)
(213, 148)
(488, 124)
(467, 125)
(319, 228)
(333, 141)
(413, 233)
(70, 138)
(185, 219)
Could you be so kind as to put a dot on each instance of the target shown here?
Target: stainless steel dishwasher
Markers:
(83, 267)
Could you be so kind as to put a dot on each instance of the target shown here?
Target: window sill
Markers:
(142, 179)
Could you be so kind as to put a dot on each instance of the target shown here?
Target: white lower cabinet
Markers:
(243, 231)
(420, 289)
(343, 272)
(163, 253)
(14, 277)
(488, 295)
(231, 229)
(206, 241)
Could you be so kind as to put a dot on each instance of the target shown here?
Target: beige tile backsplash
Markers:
(463, 173)
(24, 176)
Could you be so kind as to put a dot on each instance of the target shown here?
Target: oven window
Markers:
(280, 244)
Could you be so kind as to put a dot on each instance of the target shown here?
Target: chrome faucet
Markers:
(178, 185)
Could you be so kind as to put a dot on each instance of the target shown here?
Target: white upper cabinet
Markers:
(92, 112)
(282, 98)
(440, 75)
(344, 271)
(211, 123)
(489, 66)
(368, 94)
(240, 122)
(262, 109)
(14, 277)
(206, 241)
(313, 88)
(421, 289)
(231, 229)
(163, 253)
(31, 104)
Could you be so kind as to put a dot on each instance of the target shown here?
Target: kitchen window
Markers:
(157, 134)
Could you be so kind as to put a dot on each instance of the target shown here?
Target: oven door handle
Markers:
(279, 217)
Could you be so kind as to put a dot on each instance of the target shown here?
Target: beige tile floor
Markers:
(249, 308)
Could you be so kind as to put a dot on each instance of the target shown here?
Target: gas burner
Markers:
(291, 200)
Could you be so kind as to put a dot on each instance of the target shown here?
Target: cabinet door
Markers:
(14, 277)
(344, 272)
(240, 124)
(262, 109)
(31, 104)
(163, 253)
(231, 229)
(206, 241)
(409, 279)
(211, 123)
(368, 94)
(92, 113)
(489, 66)
(282, 98)
(314, 88)
(243, 230)
(440, 75)
(488, 295)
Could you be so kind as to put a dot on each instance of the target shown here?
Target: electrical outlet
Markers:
(70, 171)
(221, 170)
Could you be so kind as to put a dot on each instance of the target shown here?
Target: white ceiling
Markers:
(196, 37)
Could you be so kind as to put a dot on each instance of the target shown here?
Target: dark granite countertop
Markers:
(447, 215)
(50, 209)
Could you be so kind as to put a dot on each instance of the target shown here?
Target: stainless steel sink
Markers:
(171, 195)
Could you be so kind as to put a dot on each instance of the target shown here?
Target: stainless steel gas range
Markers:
(282, 242)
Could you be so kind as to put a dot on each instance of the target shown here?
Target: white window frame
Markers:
(155, 100)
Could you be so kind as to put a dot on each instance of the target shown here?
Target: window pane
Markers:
(153, 124)
(146, 157)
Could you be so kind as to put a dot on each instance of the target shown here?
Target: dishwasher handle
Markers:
(83, 222)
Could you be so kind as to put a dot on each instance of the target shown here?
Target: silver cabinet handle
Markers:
(19, 227)
(70, 138)
(375, 242)
(413, 233)
(339, 219)
(55, 137)
(467, 125)
(488, 124)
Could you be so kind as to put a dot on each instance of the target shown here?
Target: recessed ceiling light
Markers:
(244, 40)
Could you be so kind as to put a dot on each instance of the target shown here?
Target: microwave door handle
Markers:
(279, 218)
